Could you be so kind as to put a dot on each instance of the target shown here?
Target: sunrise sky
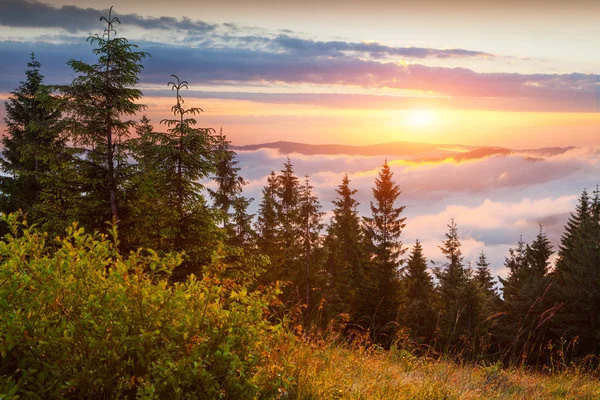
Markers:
(515, 74)
(499, 73)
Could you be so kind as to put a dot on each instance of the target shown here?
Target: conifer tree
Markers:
(452, 286)
(527, 298)
(150, 214)
(577, 275)
(384, 228)
(345, 252)
(381, 292)
(98, 99)
(418, 312)
(483, 277)
(310, 218)
(227, 198)
(31, 144)
(267, 227)
(290, 224)
(229, 182)
(185, 156)
(242, 234)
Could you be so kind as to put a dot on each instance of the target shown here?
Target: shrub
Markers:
(79, 320)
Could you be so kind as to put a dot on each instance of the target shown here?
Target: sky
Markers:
(515, 74)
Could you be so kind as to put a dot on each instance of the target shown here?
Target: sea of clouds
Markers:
(494, 199)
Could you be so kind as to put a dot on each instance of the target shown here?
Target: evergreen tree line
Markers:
(70, 154)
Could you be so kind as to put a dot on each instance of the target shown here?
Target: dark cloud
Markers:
(215, 65)
(34, 14)
(459, 87)
(376, 50)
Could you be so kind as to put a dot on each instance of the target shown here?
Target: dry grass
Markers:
(326, 371)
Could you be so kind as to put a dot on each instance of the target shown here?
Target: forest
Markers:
(124, 274)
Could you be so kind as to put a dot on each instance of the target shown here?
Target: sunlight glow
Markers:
(420, 118)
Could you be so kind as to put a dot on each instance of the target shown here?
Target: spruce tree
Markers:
(344, 244)
(577, 275)
(483, 277)
(527, 300)
(381, 292)
(310, 219)
(267, 228)
(385, 226)
(418, 312)
(185, 156)
(229, 182)
(242, 234)
(99, 98)
(571, 233)
(290, 228)
(31, 144)
(452, 288)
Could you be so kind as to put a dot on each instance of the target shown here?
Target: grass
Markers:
(327, 371)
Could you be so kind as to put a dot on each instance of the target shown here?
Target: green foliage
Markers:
(418, 311)
(344, 245)
(82, 321)
(452, 288)
(528, 301)
(380, 292)
(32, 142)
(577, 276)
(97, 100)
(170, 167)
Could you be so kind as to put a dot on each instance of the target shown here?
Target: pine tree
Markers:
(527, 299)
(572, 231)
(150, 214)
(385, 226)
(452, 289)
(31, 144)
(577, 275)
(310, 219)
(98, 99)
(381, 292)
(418, 312)
(185, 156)
(241, 223)
(345, 252)
(290, 226)
(267, 228)
(483, 277)
(491, 303)
(229, 182)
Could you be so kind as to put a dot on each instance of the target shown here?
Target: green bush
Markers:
(78, 320)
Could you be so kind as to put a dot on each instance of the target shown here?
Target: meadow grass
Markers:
(338, 371)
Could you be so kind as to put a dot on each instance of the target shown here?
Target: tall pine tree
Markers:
(99, 98)
(31, 144)
(418, 311)
(344, 244)
(577, 276)
(381, 291)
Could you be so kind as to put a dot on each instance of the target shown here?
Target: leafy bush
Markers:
(79, 320)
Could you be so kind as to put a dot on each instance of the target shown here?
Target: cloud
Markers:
(373, 49)
(228, 54)
(493, 199)
(453, 87)
(35, 14)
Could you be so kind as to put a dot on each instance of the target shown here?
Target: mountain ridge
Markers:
(421, 150)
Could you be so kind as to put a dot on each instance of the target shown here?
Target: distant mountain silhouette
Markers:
(418, 152)
(384, 149)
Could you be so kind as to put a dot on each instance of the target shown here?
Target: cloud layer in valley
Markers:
(494, 199)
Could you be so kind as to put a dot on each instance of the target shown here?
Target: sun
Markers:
(420, 118)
